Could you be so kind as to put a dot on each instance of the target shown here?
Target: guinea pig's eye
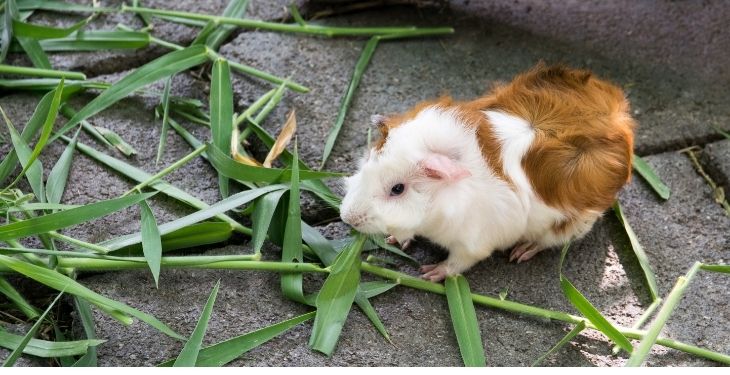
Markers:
(397, 189)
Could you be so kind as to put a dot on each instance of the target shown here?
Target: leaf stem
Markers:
(168, 169)
(36, 72)
(229, 262)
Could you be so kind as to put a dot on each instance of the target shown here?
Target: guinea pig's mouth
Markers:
(360, 222)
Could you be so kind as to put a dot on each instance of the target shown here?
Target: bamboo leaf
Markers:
(165, 102)
(63, 219)
(582, 304)
(335, 298)
(221, 114)
(242, 172)
(222, 206)
(362, 64)
(61, 282)
(56, 184)
(649, 176)
(464, 318)
(189, 354)
(12, 294)
(47, 349)
(164, 66)
(151, 242)
(566, 339)
(226, 351)
(261, 220)
(639, 252)
(29, 30)
(10, 360)
(285, 136)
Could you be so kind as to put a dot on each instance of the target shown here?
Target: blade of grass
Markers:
(151, 242)
(335, 299)
(15, 354)
(369, 311)
(243, 172)
(87, 321)
(582, 304)
(165, 102)
(29, 30)
(642, 319)
(639, 252)
(464, 319)
(17, 299)
(235, 9)
(672, 301)
(226, 351)
(7, 32)
(261, 219)
(35, 72)
(139, 176)
(47, 349)
(47, 84)
(194, 235)
(56, 184)
(146, 19)
(169, 169)
(650, 177)
(59, 6)
(222, 206)
(97, 40)
(566, 339)
(35, 53)
(63, 219)
(204, 32)
(722, 268)
(371, 289)
(34, 170)
(60, 282)
(362, 64)
(164, 66)
(189, 354)
(221, 115)
(115, 140)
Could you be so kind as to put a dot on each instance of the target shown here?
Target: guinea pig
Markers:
(529, 166)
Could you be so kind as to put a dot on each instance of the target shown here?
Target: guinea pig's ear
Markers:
(442, 167)
(379, 122)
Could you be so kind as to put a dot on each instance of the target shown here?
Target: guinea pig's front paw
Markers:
(434, 272)
(391, 240)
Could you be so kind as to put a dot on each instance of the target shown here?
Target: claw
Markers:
(405, 244)
(524, 252)
(434, 272)
(391, 240)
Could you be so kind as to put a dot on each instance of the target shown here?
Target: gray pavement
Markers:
(669, 57)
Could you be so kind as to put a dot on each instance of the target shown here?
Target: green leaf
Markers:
(56, 184)
(97, 40)
(59, 6)
(63, 219)
(34, 171)
(235, 9)
(10, 360)
(722, 268)
(151, 242)
(46, 84)
(335, 298)
(61, 282)
(639, 252)
(204, 32)
(261, 220)
(164, 66)
(115, 140)
(369, 311)
(319, 244)
(242, 172)
(464, 318)
(649, 176)
(226, 351)
(7, 31)
(566, 339)
(588, 310)
(139, 175)
(35, 53)
(29, 30)
(12, 294)
(165, 102)
(371, 289)
(362, 64)
(87, 321)
(36, 72)
(194, 235)
(46, 349)
(189, 354)
(221, 114)
(222, 206)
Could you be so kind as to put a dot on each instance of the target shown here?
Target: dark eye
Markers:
(397, 189)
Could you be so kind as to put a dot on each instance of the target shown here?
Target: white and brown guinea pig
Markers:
(529, 166)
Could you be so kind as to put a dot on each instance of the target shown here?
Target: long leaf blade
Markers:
(464, 319)
(189, 354)
(639, 252)
(10, 361)
(56, 184)
(566, 339)
(47, 349)
(261, 219)
(221, 114)
(151, 242)
(645, 171)
(97, 40)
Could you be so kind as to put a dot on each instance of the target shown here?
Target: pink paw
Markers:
(434, 272)
(391, 240)
(524, 252)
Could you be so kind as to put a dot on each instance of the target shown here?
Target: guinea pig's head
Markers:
(394, 190)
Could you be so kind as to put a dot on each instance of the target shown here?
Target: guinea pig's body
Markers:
(529, 166)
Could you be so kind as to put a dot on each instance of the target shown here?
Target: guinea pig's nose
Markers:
(352, 218)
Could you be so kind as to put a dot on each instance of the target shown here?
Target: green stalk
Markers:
(642, 319)
(168, 169)
(520, 308)
(36, 72)
(329, 31)
(229, 262)
(260, 102)
(642, 351)
(79, 243)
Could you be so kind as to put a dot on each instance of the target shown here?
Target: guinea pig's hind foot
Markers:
(524, 251)
(434, 272)
(391, 240)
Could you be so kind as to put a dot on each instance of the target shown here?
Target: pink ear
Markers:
(443, 168)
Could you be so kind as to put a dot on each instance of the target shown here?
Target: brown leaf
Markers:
(245, 159)
(285, 136)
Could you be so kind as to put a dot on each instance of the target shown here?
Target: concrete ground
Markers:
(669, 56)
